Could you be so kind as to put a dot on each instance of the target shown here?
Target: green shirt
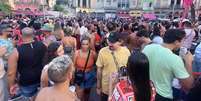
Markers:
(164, 66)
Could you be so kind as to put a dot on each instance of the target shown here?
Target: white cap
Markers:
(176, 20)
(186, 20)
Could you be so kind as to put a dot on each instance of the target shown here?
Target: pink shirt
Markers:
(188, 39)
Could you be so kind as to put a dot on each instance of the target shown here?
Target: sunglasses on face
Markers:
(85, 44)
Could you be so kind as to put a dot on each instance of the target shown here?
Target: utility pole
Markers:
(44, 2)
(173, 9)
(193, 12)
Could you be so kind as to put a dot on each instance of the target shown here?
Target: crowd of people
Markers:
(63, 59)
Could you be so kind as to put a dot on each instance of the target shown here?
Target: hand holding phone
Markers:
(183, 51)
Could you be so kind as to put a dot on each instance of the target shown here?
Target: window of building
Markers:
(157, 4)
(89, 3)
(119, 5)
(135, 2)
(108, 2)
(172, 2)
(84, 3)
(123, 4)
(78, 3)
(178, 2)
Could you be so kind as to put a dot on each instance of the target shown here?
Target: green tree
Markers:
(58, 8)
(5, 8)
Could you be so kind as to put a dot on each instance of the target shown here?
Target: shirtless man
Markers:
(60, 72)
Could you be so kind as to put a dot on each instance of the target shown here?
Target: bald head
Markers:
(27, 31)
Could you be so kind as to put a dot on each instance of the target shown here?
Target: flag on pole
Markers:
(187, 3)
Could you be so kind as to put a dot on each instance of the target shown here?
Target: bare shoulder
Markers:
(42, 94)
(14, 53)
(74, 96)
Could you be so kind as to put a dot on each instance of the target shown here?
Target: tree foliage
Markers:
(58, 8)
(5, 8)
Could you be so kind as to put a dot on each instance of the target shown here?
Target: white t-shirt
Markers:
(83, 30)
(188, 39)
(2, 70)
(157, 40)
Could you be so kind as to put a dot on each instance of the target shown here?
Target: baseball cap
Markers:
(114, 37)
(186, 20)
(142, 33)
(47, 27)
(27, 31)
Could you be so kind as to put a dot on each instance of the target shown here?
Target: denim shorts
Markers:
(197, 65)
(29, 91)
(90, 80)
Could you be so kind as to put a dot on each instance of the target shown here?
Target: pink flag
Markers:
(187, 3)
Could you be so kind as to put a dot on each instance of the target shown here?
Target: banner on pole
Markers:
(187, 3)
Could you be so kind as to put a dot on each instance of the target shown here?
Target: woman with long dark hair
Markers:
(85, 75)
(138, 86)
(138, 72)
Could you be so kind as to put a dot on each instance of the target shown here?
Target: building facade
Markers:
(159, 7)
(197, 6)
(32, 5)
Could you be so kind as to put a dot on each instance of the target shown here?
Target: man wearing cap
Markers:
(26, 60)
(49, 37)
(106, 64)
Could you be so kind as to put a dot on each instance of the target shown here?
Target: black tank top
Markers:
(30, 62)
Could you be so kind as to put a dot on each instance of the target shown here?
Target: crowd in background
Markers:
(63, 59)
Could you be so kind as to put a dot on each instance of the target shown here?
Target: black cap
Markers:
(142, 33)
(114, 37)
